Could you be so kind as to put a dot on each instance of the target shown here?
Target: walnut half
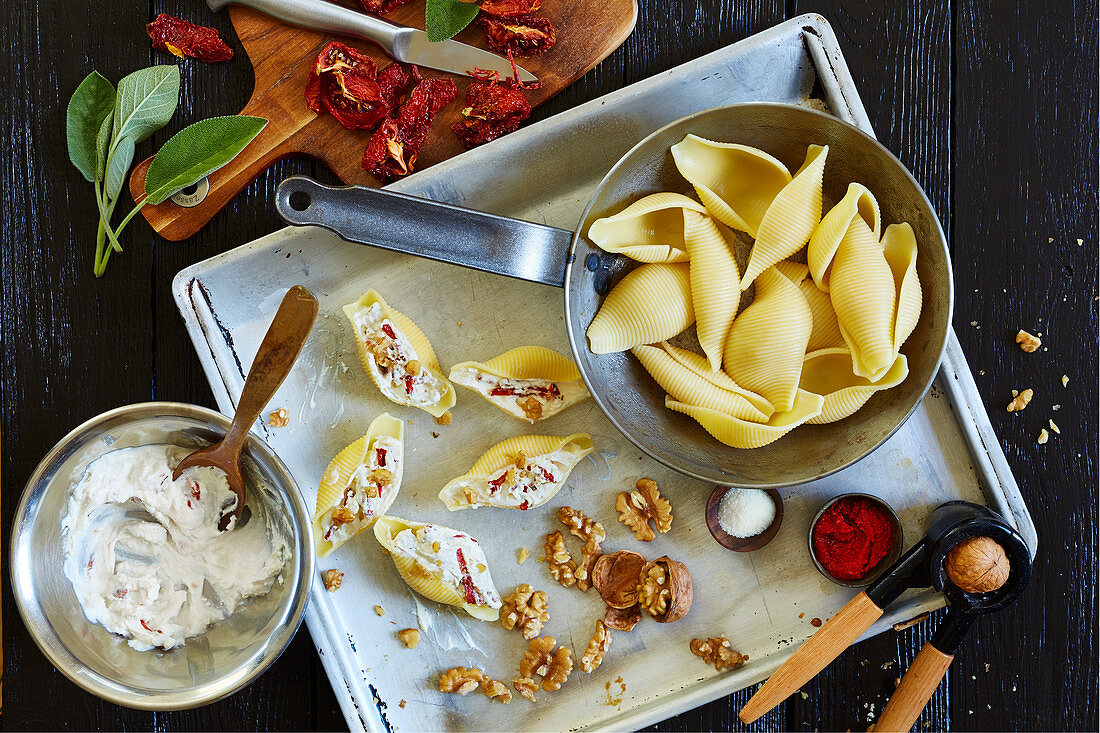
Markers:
(495, 690)
(1019, 400)
(597, 648)
(1027, 341)
(644, 504)
(558, 560)
(664, 589)
(716, 650)
(460, 680)
(585, 528)
(553, 665)
(525, 609)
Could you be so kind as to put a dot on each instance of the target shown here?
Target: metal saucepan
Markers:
(619, 384)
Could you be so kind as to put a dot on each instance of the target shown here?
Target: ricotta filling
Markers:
(452, 556)
(528, 399)
(369, 493)
(400, 373)
(528, 482)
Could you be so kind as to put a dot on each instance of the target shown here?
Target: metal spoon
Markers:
(278, 352)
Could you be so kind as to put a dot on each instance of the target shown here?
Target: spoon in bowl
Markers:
(278, 351)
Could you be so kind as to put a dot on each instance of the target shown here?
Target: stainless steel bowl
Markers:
(225, 658)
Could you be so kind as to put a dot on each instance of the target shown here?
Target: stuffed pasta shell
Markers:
(441, 564)
(518, 473)
(398, 356)
(359, 484)
(529, 382)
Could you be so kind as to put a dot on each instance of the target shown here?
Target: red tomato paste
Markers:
(852, 536)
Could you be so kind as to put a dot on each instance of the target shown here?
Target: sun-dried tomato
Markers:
(393, 148)
(343, 82)
(381, 7)
(523, 36)
(509, 8)
(492, 110)
(183, 38)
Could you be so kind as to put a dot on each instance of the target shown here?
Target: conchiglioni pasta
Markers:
(701, 367)
(649, 230)
(899, 246)
(398, 356)
(768, 339)
(528, 382)
(441, 564)
(738, 433)
(651, 303)
(684, 385)
(828, 372)
(796, 272)
(826, 332)
(791, 217)
(857, 202)
(518, 473)
(735, 182)
(359, 484)
(715, 290)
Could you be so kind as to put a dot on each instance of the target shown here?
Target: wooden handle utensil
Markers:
(916, 688)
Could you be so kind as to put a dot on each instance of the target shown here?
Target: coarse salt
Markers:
(745, 512)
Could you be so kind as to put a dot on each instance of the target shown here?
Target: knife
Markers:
(404, 44)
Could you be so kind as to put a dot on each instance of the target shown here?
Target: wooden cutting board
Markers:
(282, 55)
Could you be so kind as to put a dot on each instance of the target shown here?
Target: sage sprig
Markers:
(443, 19)
(103, 126)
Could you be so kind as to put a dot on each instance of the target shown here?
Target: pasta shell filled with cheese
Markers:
(359, 484)
(828, 372)
(441, 564)
(518, 473)
(651, 303)
(738, 433)
(791, 218)
(899, 247)
(736, 183)
(857, 202)
(398, 356)
(768, 339)
(863, 295)
(649, 230)
(715, 290)
(528, 382)
(684, 385)
(826, 331)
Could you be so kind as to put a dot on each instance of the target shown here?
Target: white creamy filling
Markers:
(391, 355)
(384, 456)
(515, 396)
(144, 553)
(521, 488)
(458, 561)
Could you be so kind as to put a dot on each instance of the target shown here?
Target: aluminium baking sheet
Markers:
(945, 451)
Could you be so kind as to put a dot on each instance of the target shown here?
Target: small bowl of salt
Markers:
(744, 520)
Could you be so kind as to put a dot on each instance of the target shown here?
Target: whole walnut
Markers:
(978, 565)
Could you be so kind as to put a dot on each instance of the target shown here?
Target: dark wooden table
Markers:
(993, 105)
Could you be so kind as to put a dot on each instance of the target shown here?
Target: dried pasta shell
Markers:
(768, 339)
(863, 296)
(735, 182)
(649, 230)
(828, 372)
(699, 364)
(857, 202)
(422, 352)
(796, 272)
(651, 303)
(899, 246)
(686, 386)
(738, 433)
(714, 283)
(432, 582)
(510, 381)
(557, 455)
(826, 332)
(350, 464)
(791, 218)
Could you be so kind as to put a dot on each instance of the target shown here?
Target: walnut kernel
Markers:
(495, 690)
(597, 648)
(716, 650)
(537, 657)
(592, 532)
(1020, 400)
(444, 419)
(409, 637)
(558, 560)
(1027, 341)
(637, 508)
(279, 418)
(558, 670)
(525, 609)
(460, 680)
(526, 687)
(332, 578)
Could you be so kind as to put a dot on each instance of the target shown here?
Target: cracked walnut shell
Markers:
(460, 680)
(615, 577)
(585, 528)
(622, 619)
(664, 589)
(597, 648)
(525, 609)
(716, 650)
(558, 560)
(644, 504)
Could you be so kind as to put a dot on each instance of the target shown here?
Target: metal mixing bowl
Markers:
(225, 658)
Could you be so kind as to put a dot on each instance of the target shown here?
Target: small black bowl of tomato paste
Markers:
(854, 538)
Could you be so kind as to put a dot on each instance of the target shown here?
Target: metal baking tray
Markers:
(762, 601)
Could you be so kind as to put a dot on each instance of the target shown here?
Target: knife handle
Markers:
(324, 16)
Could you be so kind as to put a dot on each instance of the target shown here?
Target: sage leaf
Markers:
(197, 151)
(117, 166)
(91, 104)
(145, 102)
(102, 143)
(443, 19)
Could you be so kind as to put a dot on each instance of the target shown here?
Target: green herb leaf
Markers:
(91, 104)
(197, 151)
(443, 19)
(117, 166)
(145, 102)
(102, 143)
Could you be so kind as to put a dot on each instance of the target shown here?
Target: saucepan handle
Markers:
(416, 226)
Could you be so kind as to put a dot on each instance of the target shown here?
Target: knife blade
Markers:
(404, 44)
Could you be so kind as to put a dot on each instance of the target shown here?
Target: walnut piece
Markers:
(444, 419)
(585, 528)
(460, 680)
(1044, 436)
(637, 508)
(526, 687)
(615, 577)
(542, 659)
(716, 650)
(978, 565)
(379, 611)
(409, 637)
(622, 619)
(597, 648)
(558, 670)
(525, 609)
(279, 418)
(1019, 400)
(531, 407)
(1027, 341)
(521, 555)
(495, 690)
(664, 589)
(332, 578)
(558, 560)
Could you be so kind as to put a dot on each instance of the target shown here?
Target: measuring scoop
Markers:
(925, 564)
(278, 351)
